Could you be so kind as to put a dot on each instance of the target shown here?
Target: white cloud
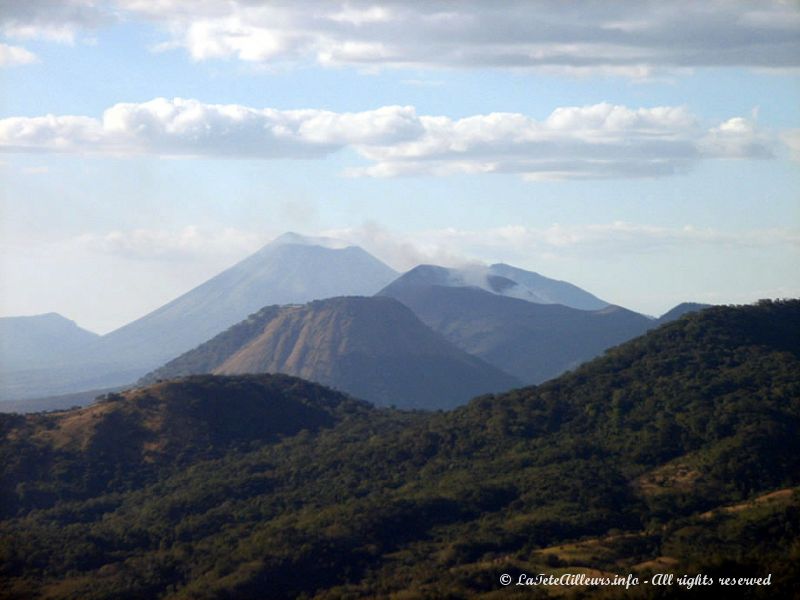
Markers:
(521, 245)
(188, 243)
(630, 38)
(50, 133)
(181, 127)
(12, 56)
(54, 21)
(735, 138)
(447, 246)
(402, 251)
(589, 142)
(597, 141)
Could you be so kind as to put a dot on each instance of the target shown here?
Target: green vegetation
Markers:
(678, 451)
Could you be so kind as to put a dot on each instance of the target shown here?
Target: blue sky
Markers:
(647, 152)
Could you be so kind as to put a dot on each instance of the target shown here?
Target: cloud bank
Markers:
(634, 38)
(189, 243)
(589, 142)
(12, 56)
(520, 244)
(447, 246)
(53, 20)
(628, 37)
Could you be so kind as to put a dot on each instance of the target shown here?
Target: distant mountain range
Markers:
(522, 323)
(41, 355)
(505, 280)
(373, 348)
(291, 269)
(27, 341)
(533, 342)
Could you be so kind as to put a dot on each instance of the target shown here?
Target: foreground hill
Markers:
(130, 437)
(290, 269)
(373, 348)
(676, 452)
(533, 342)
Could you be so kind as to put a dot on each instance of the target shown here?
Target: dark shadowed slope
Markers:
(533, 342)
(374, 348)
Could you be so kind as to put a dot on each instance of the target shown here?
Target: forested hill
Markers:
(692, 381)
(676, 452)
(134, 437)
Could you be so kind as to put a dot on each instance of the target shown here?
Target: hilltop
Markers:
(374, 348)
(502, 280)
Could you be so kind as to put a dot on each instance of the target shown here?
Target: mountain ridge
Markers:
(533, 342)
(502, 280)
(292, 268)
(25, 340)
(372, 347)
(247, 286)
